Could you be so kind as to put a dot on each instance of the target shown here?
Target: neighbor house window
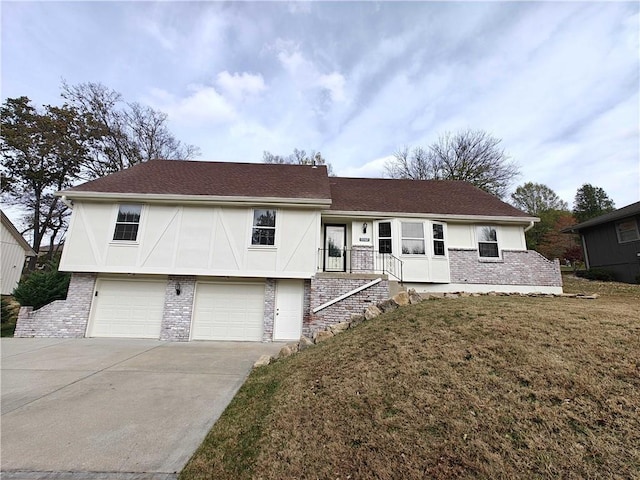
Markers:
(384, 237)
(264, 227)
(127, 223)
(627, 231)
(412, 238)
(488, 242)
(438, 239)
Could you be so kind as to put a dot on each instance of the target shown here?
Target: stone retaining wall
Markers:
(61, 318)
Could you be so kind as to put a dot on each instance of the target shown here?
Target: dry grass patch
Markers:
(480, 387)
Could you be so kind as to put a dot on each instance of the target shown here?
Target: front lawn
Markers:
(477, 387)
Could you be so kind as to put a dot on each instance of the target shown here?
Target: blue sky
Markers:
(558, 82)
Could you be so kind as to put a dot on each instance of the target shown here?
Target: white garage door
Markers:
(124, 308)
(228, 311)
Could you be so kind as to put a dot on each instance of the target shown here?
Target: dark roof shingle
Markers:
(180, 177)
(628, 211)
(416, 196)
(223, 179)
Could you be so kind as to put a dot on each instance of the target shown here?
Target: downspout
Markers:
(531, 224)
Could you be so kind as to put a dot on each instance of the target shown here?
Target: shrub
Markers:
(41, 287)
(597, 274)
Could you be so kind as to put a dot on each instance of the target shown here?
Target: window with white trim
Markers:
(627, 231)
(127, 223)
(384, 237)
(412, 238)
(488, 242)
(438, 239)
(263, 231)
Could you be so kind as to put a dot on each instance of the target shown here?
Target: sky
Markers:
(557, 82)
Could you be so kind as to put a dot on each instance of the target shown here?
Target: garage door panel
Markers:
(228, 311)
(130, 309)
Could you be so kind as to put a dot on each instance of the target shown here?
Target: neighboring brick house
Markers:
(182, 250)
(612, 242)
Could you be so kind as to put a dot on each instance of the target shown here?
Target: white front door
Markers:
(334, 248)
(289, 304)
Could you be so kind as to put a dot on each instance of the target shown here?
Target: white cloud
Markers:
(240, 86)
(334, 83)
(201, 104)
(371, 169)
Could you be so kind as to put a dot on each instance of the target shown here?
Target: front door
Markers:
(335, 240)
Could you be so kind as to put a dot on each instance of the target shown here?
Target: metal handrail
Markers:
(385, 263)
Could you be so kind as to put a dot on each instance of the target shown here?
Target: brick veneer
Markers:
(178, 309)
(514, 268)
(326, 287)
(362, 259)
(61, 318)
(269, 309)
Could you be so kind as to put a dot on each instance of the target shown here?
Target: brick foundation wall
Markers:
(178, 309)
(324, 288)
(514, 268)
(362, 259)
(269, 309)
(61, 318)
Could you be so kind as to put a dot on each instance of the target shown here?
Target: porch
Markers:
(359, 260)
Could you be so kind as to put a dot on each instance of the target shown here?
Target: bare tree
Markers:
(298, 157)
(470, 155)
(414, 164)
(125, 133)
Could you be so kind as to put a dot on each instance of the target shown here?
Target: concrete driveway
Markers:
(113, 408)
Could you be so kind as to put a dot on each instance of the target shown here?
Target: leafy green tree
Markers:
(474, 156)
(41, 287)
(591, 202)
(535, 198)
(42, 152)
(298, 157)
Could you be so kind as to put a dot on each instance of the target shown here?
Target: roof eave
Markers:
(438, 216)
(194, 199)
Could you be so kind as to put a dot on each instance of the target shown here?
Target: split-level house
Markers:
(184, 250)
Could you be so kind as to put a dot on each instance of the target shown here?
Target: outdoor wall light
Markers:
(178, 288)
(364, 227)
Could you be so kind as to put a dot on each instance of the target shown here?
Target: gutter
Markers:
(66, 201)
(346, 295)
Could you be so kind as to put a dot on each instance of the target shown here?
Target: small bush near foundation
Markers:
(597, 274)
(41, 287)
(8, 314)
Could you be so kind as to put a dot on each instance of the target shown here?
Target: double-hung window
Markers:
(127, 223)
(627, 231)
(412, 238)
(263, 231)
(438, 239)
(384, 237)
(488, 242)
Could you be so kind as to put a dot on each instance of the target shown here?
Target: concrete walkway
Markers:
(113, 408)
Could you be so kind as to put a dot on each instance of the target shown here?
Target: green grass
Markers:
(477, 387)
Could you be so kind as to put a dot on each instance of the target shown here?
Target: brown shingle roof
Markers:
(172, 177)
(179, 177)
(416, 196)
